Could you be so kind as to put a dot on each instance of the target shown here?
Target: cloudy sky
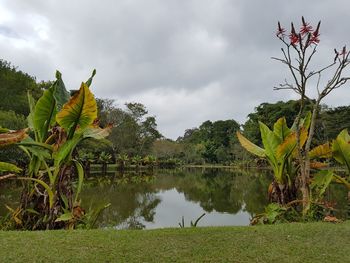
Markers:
(187, 60)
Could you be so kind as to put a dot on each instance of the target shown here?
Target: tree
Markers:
(298, 51)
(14, 85)
(213, 140)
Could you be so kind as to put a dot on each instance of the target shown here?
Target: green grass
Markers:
(313, 242)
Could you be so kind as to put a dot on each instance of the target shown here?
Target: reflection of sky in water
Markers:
(174, 205)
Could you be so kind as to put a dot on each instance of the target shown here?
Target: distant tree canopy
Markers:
(134, 130)
(212, 142)
(14, 85)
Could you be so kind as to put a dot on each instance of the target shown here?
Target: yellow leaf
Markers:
(318, 165)
(12, 137)
(249, 146)
(321, 151)
(79, 112)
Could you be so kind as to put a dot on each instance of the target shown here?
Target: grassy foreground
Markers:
(314, 242)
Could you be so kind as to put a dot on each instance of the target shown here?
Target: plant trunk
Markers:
(281, 193)
(305, 161)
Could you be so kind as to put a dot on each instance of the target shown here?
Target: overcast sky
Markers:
(187, 61)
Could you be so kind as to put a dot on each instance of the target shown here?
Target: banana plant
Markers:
(279, 148)
(59, 122)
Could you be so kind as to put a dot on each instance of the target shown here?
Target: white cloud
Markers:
(187, 61)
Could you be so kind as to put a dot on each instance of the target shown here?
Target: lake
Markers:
(139, 200)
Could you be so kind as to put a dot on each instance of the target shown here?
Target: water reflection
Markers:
(141, 200)
(227, 198)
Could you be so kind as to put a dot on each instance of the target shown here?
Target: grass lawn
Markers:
(313, 242)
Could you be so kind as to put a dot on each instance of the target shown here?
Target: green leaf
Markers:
(89, 81)
(64, 217)
(66, 149)
(60, 93)
(44, 114)
(281, 129)
(270, 142)
(30, 117)
(48, 105)
(38, 149)
(80, 111)
(341, 149)
(249, 146)
(9, 167)
(321, 181)
(80, 171)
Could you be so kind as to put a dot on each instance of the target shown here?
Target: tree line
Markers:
(135, 131)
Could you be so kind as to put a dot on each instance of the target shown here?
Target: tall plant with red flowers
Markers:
(300, 46)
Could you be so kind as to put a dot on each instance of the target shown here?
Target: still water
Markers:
(140, 200)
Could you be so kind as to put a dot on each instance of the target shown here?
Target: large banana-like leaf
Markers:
(285, 149)
(80, 111)
(48, 105)
(66, 149)
(30, 117)
(60, 93)
(270, 141)
(98, 133)
(341, 148)
(80, 171)
(303, 137)
(249, 146)
(281, 129)
(12, 137)
(321, 181)
(9, 167)
(321, 151)
(44, 115)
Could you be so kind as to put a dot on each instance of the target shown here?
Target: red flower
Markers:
(306, 28)
(293, 36)
(315, 35)
(280, 31)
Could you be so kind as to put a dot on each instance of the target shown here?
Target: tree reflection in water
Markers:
(139, 199)
(133, 204)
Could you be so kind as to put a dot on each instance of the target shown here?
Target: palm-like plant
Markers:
(150, 161)
(279, 148)
(104, 158)
(137, 160)
(122, 160)
(59, 122)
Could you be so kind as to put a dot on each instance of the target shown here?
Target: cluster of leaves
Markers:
(281, 153)
(58, 122)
